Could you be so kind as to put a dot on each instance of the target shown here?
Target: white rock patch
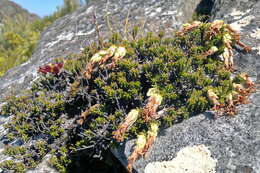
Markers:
(191, 159)
(242, 22)
(256, 35)
(241, 19)
(62, 37)
(238, 14)
(81, 33)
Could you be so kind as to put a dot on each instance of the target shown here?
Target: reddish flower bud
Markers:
(53, 68)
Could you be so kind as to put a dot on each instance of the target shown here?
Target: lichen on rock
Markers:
(191, 159)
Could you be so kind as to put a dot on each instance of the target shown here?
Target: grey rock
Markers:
(71, 33)
(233, 141)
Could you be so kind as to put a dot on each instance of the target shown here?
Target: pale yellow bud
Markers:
(153, 131)
(158, 98)
(111, 50)
(152, 91)
(186, 25)
(98, 56)
(102, 52)
(225, 54)
(227, 38)
(231, 61)
(196, 23)
(155, 93)
(213, 49)
(120, 52)
(132, 117)
(238, 86)
(229, 98)
(140, 142)
(213, 97)
(95, 58)
(244, 76)
(218, 23)
(211, 94)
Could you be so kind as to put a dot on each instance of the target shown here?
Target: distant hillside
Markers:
(12, 10)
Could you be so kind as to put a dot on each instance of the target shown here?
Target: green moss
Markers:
(12, 151)
(41, 148)
(17, 167)
(55, 131)
(60, 160)
(58, 163)
(197, 101)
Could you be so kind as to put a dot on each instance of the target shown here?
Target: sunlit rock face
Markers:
(233, 141)
(72, 33)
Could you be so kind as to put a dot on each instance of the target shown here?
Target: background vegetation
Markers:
(19, 35)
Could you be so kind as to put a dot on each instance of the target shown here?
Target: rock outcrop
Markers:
(233, 141)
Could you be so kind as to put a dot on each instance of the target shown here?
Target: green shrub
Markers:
(77, 115)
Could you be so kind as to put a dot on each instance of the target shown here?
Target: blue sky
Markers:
(40, 7)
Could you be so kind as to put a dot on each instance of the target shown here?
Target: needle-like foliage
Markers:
(124, 89)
